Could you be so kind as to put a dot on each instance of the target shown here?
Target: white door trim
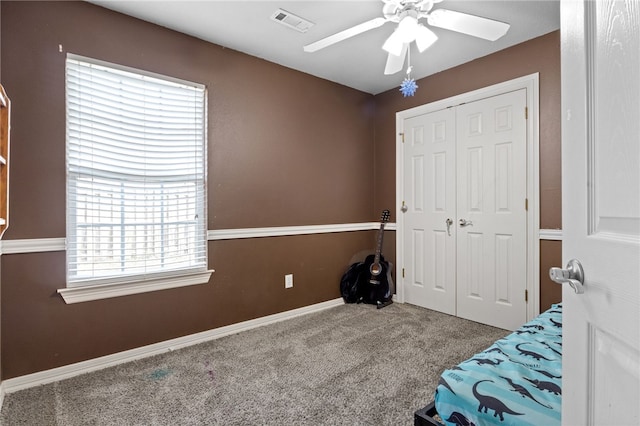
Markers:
(531, 84)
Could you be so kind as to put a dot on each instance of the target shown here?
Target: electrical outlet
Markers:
(288, 281)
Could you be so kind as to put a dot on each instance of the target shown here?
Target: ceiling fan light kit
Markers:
(407, 15)
(409, 30)
(424, 38)
(393, 44)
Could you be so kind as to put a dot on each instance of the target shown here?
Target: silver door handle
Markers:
(573, 275)
(449, 222)
(404, 208)
(464, 222)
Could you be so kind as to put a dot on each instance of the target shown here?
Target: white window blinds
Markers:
(136, 174)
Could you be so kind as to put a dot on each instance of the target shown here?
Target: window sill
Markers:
(105, 291)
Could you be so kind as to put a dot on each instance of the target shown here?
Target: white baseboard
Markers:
(2, 392)
(72, 370)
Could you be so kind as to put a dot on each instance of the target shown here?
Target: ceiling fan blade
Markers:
(345, 34)
(395, 62)
(472, 25)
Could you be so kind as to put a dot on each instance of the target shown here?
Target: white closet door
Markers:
(429, 197)
(491, 191)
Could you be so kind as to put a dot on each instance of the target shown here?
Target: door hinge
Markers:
(402, 272)
(526, 113)
(526, 296)
(402, 134)
(526, 204)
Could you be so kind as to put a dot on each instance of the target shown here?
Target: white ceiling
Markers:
(357, 62)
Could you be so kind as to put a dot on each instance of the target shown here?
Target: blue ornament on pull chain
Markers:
(408, 86)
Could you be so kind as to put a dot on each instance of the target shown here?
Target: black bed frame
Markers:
(424, 416)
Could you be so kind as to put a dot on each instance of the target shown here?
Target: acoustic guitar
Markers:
(379, 288)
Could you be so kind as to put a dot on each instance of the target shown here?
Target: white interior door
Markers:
(492, 217)
(429, 200)
(601, 210)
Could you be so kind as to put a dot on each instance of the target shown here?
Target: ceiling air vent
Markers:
(292, 21)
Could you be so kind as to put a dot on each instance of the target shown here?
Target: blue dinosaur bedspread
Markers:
(516, 381)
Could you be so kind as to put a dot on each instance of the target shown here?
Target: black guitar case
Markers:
(351, 284)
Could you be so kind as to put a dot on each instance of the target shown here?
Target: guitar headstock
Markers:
(384, 218)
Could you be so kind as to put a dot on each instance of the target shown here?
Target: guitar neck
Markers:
(379, 244)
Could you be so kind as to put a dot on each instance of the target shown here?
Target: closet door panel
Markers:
(429, 196)
(491, 216)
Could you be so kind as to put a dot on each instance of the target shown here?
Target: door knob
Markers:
(404, 208)
(573, 275)
(464, 222)
(449, 222)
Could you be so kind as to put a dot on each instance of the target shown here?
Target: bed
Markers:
(515, 381)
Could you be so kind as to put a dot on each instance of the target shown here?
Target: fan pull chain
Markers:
(408, 86)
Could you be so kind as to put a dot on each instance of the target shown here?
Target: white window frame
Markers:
(80, 289)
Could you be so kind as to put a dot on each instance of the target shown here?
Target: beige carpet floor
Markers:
(348, 365)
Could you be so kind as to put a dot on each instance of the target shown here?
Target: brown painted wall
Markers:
(285, 148)
(541, 55)
(550, 255)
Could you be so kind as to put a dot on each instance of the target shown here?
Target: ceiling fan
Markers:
(407, 14)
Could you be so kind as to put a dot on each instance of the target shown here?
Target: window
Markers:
(136, 179)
